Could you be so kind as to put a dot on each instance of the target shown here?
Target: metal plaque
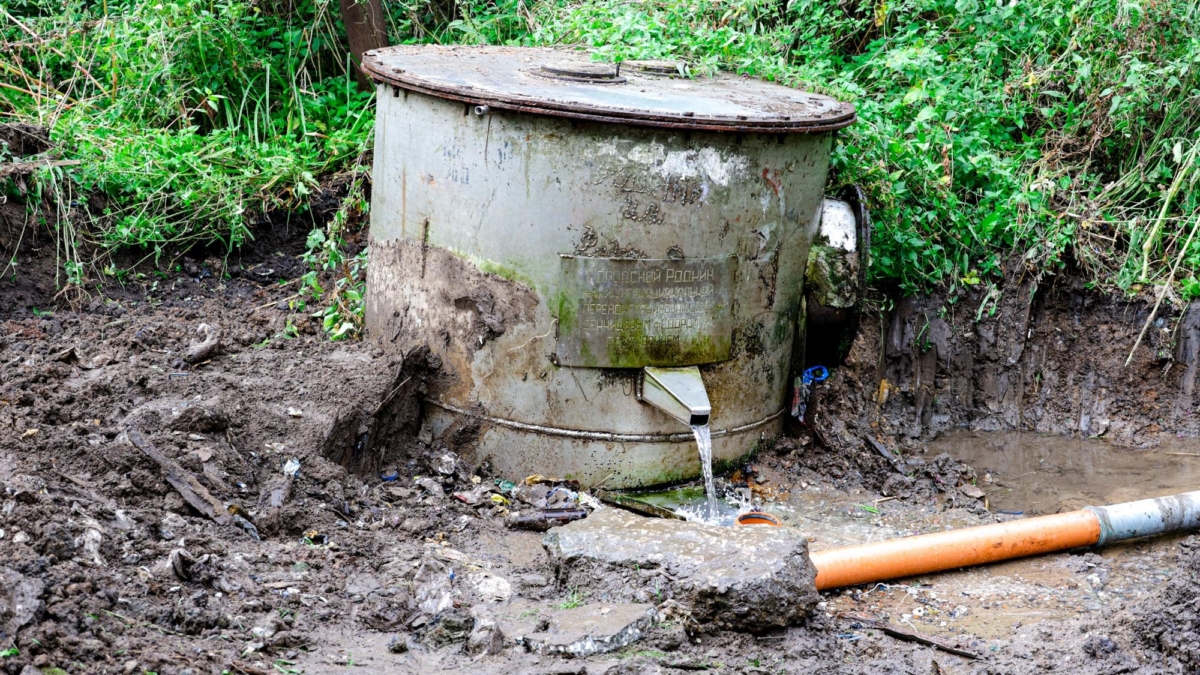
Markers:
(626, 313)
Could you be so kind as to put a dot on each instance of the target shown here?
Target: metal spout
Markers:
(679, 392)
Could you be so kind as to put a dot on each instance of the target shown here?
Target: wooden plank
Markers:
(192, 491)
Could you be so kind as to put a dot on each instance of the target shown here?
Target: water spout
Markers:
(679, 392)
(704, 445)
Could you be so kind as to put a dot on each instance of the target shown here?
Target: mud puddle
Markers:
(1024, 474)
(1035, 474)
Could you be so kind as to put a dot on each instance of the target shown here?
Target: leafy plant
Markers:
(574, 599)
(343, 303)
(1038, 132)
(192, 118)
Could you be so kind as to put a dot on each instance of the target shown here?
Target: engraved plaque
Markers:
(623, 313)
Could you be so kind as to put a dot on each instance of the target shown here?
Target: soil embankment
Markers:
(1045, 356)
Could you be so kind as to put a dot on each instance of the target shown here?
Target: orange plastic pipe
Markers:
(939, 551)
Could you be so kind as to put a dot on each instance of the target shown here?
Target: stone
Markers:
(19, 600)
(486, 636)
(452, 625)
(591, 629)
(735, 578)
(490, 587)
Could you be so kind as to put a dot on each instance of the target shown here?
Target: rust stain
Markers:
(774, 181)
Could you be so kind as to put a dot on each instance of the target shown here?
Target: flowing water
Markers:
(704, 444)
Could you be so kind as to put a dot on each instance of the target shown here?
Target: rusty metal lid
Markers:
(570, 84)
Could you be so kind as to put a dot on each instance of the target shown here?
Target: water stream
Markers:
(704, 445)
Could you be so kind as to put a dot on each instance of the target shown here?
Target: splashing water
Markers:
(704, 445)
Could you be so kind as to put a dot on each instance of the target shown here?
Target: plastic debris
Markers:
(588, 501)
(181, 563)
(431, 486)
(802, 389)
(446, 463)
(315, 538)
(468, 497)
(291, 468)
(546, 496)
(390, 476)
(561, 498)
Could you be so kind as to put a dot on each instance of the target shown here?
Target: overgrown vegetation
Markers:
(189, 119)
(1047, 133)
(988, 129)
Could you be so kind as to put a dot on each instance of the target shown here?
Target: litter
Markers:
(291, 468)
(803, 388)
(314, 538)
(431, 486)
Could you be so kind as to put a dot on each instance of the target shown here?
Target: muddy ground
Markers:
(105, 568)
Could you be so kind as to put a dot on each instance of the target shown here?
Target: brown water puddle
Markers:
(1048, 474)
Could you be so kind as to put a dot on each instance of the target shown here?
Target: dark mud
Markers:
(104, 568)
(107, 569)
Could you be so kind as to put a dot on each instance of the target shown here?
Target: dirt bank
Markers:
(1042, 355)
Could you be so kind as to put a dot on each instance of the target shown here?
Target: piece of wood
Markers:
(887, 454)
(25, 167)
(195, 494)
(366, 29)
(910, 637)
(86, 491)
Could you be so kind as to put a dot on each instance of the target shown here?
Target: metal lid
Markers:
(569, 84)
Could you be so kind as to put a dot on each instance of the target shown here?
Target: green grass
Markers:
(1047, 135)
(190, 119)
(574, 599)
